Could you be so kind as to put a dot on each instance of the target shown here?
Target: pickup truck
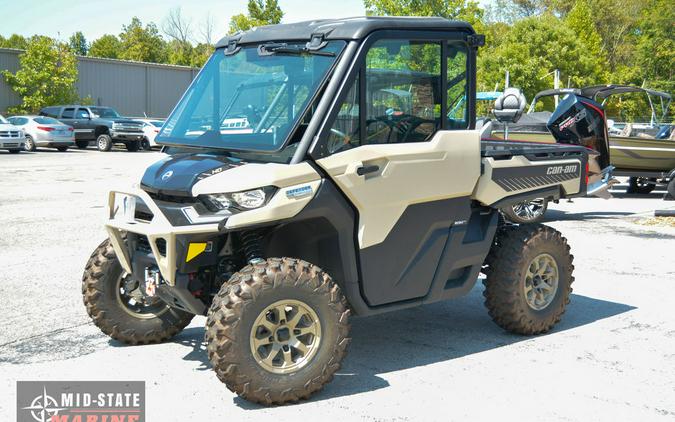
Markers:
(313, 173)
(101, 124)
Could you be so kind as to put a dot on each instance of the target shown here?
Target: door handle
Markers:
(367, 169)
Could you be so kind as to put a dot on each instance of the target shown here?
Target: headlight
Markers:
(242, 201)
(250, 199)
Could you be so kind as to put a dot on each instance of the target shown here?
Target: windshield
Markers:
(250, 100)
(104, 112)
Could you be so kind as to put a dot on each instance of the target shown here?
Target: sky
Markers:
(59, 19)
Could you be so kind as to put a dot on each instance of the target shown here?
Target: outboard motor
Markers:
(581, 121)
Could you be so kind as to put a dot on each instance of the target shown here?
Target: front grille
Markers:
(143, 245)
(130, 127)
(9, 134)
(172, 198)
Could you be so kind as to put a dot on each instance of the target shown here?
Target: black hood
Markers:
(176, 175)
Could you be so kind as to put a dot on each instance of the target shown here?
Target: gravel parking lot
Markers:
(611, 358)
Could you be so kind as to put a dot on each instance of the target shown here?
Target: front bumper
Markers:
(12, 143)
(157, 230)
(117, 135)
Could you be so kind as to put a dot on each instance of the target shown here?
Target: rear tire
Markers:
(671, 188)
(14, 151)
(133, 146)
(639, 185)
(102, 296)
(529, 278)
(104, 142)
(527, 212)
(82, 144)
(62, 149)
(29, 145)
(277, 369)
(145, 145)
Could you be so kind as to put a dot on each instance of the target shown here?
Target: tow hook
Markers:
(152, 278)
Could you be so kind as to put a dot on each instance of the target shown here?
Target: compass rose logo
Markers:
(43, 407)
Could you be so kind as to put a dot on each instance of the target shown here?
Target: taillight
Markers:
(45, 128)
(156, 130)
(587, 173)
(70, 129)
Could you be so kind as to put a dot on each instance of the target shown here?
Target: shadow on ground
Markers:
(416, 337)
(558, 215)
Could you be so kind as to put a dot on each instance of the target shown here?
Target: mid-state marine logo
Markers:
(80, 401)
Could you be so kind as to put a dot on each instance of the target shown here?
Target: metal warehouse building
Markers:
(133, 88)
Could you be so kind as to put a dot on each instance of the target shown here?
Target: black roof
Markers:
(342, 29)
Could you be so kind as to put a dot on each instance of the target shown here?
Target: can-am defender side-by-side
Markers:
(314, 173)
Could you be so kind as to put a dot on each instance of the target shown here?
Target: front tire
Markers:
(120, 312)
(14, 151)
(529, 278)
(62, 149)
(104, 142)
(29, 144)
(277, 331)
(133, 146)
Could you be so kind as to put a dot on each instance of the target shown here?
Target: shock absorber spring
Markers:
(251, 241)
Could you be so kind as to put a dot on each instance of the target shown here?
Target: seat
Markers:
(509, 108)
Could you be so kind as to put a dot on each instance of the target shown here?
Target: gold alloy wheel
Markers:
(285, 336)
(134, 302)
(541, 281)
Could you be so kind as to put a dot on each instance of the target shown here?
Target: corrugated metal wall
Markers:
(133, 88)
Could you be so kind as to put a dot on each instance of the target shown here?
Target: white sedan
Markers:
(42, 131)
(151, 128)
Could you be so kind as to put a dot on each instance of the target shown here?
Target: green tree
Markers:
(452, 9)
(260, 13)
(78, 44)
(142, 44)
(580, 20)
(108, 46)
(14, 41)
(531, 49)
(200, 54)
(47, 75)
(179, 52)
(656, 45)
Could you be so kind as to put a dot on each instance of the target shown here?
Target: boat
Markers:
(642, 151)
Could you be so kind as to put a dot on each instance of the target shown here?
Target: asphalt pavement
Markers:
(612, 358)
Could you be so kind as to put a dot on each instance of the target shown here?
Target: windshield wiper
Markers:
(282, 48)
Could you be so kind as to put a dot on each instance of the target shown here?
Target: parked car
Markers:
(11, 137)
(101, 124)
(151, 128)
(42, 131)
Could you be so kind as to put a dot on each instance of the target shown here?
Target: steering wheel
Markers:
(405, 123)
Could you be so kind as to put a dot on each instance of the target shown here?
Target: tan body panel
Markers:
(256, 175)
(488, 191)
(445, 167)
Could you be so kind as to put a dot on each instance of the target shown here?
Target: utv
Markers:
(314, 172)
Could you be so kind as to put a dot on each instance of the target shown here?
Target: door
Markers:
(68, 117)
(407, 167)
(83, 124)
